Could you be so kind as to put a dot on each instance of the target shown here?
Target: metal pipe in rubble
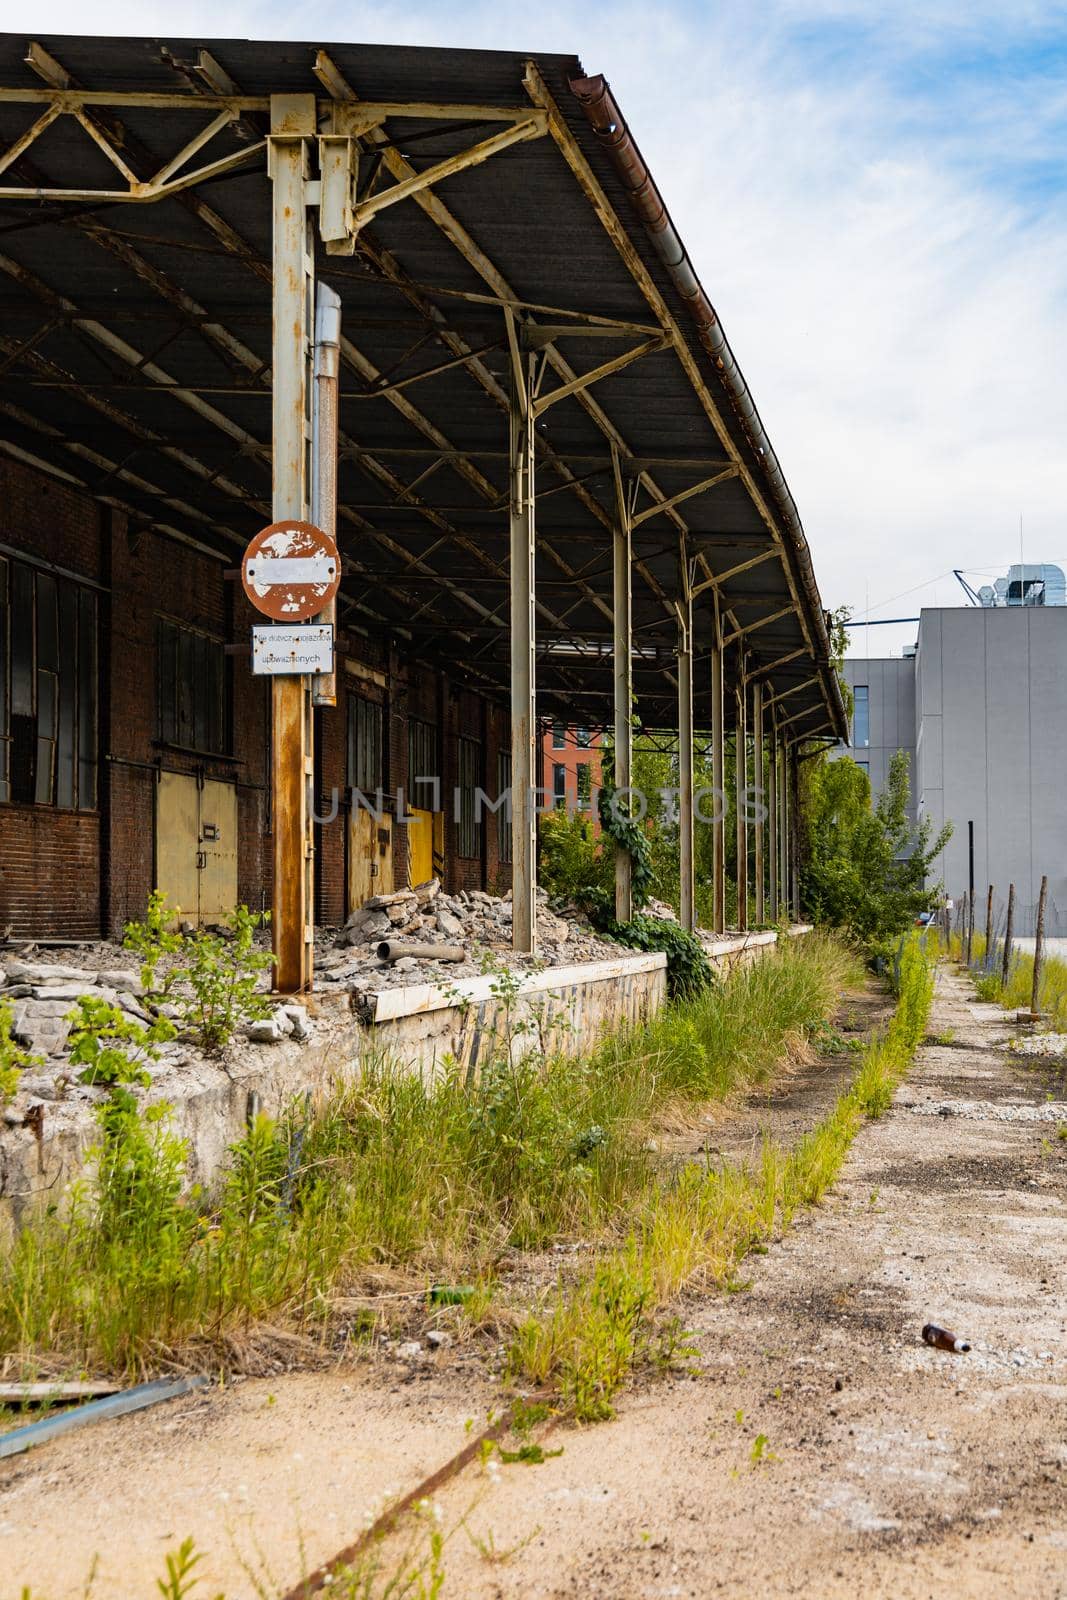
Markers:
(397, 949)
(327, 370)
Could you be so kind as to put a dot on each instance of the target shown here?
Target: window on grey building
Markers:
(191, 686)
(47, 689)
(469, 825)
(559, 786)
(861, 717)
(503, 816)
(864, 766)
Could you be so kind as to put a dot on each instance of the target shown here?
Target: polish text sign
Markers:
(293, 650)
(291, 570)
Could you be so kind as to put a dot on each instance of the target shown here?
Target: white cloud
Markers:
(874, 210)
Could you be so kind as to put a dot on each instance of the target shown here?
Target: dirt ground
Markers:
(885, 1468)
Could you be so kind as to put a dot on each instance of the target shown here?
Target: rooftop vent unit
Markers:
(1037, 584)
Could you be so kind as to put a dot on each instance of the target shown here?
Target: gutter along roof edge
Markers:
(607, 122)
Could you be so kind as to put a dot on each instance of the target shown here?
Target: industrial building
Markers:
(551, 490)
(978, 706)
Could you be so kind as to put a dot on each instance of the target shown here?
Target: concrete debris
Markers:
(45, 972)
(267, 1030)
(479, 924)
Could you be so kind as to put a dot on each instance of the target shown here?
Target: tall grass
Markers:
(700, 1225)
(1016, 994)
(434, 1176)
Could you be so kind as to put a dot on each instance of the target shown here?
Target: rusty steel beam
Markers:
(687, 878)
(523, 671)
(718, 885)
(292, 764)
(757, 797)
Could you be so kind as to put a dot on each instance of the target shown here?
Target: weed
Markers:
(13, 1058)
(494, 1555)
(180, 1580)
(215, 989)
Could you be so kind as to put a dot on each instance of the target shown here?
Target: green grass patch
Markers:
(432, 1176)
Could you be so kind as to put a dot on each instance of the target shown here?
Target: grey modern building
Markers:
(883, 717)
(981, 709)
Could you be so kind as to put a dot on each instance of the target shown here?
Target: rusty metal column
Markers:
(718, 837)
(292, 125)
(523, 686)
(623, 684)
(772, 816)
(687, 891)
(324, 455)
(783, 831)
(757, 798)
(740, 785)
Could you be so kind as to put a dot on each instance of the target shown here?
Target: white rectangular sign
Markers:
(290, 570)
(281, 649)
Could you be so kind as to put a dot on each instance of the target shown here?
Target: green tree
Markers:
(865, 867)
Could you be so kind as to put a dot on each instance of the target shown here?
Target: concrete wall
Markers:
(891, 688)
(992, 750)
(563, 1008)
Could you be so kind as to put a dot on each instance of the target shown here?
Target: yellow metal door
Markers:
(370, 857)
(218, 852)
(177, 843)
(420, 847)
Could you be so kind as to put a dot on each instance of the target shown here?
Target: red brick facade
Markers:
(67, 874)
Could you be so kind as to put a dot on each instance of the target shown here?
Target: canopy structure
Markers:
(551, 472)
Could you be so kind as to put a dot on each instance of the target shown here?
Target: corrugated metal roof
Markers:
(186, 283)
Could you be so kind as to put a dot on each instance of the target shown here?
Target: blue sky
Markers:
(876, 200)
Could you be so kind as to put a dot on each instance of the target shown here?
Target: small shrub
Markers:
(13, 1058)
(688, 969)
(215, 989)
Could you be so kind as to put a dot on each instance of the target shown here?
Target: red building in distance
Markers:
(571, 756)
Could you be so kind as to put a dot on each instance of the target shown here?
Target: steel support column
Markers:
(623, 646)
(523, 684)
(327, 371)
(718, 869)
(740, 798)
(687, 892)
(758, 797)
(773, 763)
(292, 770)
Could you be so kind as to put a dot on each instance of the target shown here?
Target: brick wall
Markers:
(68, 874)
(49, 873)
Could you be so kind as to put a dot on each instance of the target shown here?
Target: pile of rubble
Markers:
(423, 935)
(43, 995)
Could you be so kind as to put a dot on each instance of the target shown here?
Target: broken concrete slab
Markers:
(44, 972)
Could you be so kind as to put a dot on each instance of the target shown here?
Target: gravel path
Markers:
(886, 1468)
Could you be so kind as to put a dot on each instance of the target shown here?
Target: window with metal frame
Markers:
(193, 684)
(48, 689)
(559, 736)
(424, 763)
(503, 815)
(583, 773)
(366, 752)
(861, 716)
(469, 824)
(559, 785)
(584, 738)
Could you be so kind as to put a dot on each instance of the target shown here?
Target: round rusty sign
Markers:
(291, 570)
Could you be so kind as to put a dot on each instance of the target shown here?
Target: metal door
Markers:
(370, 857)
